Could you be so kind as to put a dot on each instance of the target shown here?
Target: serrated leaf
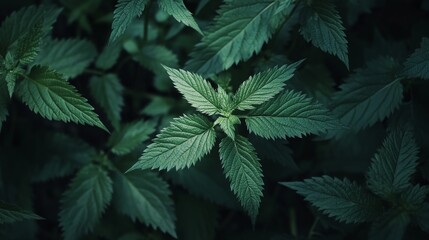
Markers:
(241, 166)
(69, 57)
(10, 213)
(263, 86)
(127, 138)
(196, 90)
(178, 10)
(125, 12)
(391, 225)
(227, 125)
(417, 65)
(180, 145)
(146, 197)
(27, 47)
(10, 79)
(324, 29)
(22, 21)
(393, 165)
(107, 91)
(46, 92)
(344, 200)
(369, 95)
(413, 198)
(85, 201)
(239, 31)
(289, 114)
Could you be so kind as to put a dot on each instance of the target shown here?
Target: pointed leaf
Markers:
(11, 213)
(227, 125)
(130, 136)
(417, 65)
(125, 12)
(178, 10)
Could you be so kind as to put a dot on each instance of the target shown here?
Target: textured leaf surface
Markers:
(28, 45)
(239, 31)
(344, 200)
(242, 168)
(178, 10)
(324, 29)
(393, 164)
(45, 92)
(180, 145)
(289, 114)
(125, 12)
(227, 125)
(85, 201)
(130, 136)
(369, 95)
(69, 57)
(417, 65)
(11, 213)
(107, 91)
(196, 90)
(146, 197)
(263, 86)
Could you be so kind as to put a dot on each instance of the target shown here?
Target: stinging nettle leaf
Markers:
(344, 200)
(46, 92)
(290, 114)
(146, 197)
(180, 145)
(239, 31)
(196, 90)
(10, 213)
(127, 138)
(125, 12)
(227, 125)
(178, 10)
(417, 65)
(27, 47)
(85, 201)
(393, 165)
(324, 29)
(263, 86)
(241, 166)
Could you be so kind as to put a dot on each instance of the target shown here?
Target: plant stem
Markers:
(292, 223)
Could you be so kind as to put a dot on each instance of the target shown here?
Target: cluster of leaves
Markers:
(265, 77)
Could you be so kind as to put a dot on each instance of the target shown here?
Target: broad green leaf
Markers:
(393, 165)
(180, 145)
(263, 86)
(369, 95)
(125, 12)
(146, 197)
(69, 57)
(85, 201)
(239, 31)
(289, 114)
(10, 213)
(227, 125)
(391, 225)
(158, 106)
(324, 29)
(22, 21)
(196, 90)
(241, 166)
(413, 198)
(129, 137)
(344, 200)
(107, 91)
(46, 92)
(109, 56)
(28, 45)
(417, 65)
(178, 10)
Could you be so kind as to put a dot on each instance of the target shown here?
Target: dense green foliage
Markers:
(165, 119)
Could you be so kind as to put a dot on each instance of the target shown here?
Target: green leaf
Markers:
(417, 65)
(227, 125)
(324, 29)
(69, 57)
(180, 145)
(125, 12)
(146, 197)
(413, 198)
(391, 225)
(127, 138)
(239, 31)
(11, 213)
(107, 91)
(46, 92)
(85, 201)
(289, 114)
(369, 95)
(178, 10)
(276, 151)
(20, 22)
(10, 81)
(109, 56)
(393, 165)
(263, 86)
(28, 45)
(241, 166)
(344, 200)
(158, 106)
(196, 90)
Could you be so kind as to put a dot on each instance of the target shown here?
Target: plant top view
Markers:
(214, 119)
